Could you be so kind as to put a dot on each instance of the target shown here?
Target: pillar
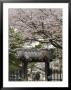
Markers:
(47, 70)
(24, 71)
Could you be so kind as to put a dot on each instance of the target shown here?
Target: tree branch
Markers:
(54, 43)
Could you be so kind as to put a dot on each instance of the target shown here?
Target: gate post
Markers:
(47, 70)
(24, 70)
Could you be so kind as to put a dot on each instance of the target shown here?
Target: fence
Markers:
(54, 75)
(15, 76)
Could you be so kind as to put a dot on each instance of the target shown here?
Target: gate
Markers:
(35, 56)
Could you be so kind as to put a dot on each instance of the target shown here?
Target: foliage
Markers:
(15, 42)
(45, 23)
(36, 24)
(38, 46)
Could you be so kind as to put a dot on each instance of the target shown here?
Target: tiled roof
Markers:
(33, 53)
